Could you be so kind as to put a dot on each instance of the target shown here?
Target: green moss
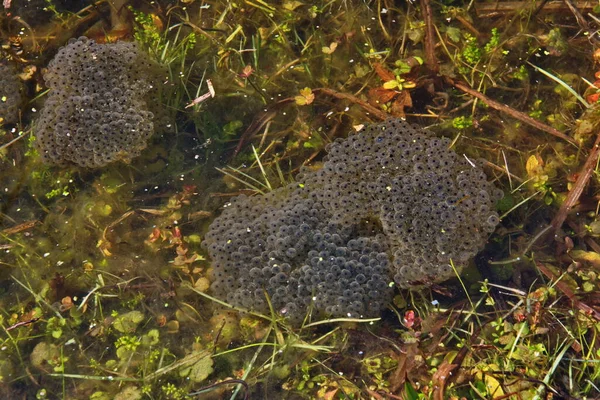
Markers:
(494, 41)
(462, 122)
(146, 31)
(126, 345)
(173, 392)
(471, 52)
(55, 327)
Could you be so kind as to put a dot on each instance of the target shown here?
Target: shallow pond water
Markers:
(105, 281)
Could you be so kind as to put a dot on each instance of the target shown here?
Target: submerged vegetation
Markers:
(104, 283)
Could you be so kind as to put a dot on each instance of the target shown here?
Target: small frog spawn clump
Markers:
(103, 104)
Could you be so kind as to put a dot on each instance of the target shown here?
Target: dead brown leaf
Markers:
(384, 73)
(379, 96)
(402, 101)
(407, 365)
(331, 394)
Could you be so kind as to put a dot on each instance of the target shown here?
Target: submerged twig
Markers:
(582, 233)
(382, 115)
(512, 112)
(22, 323)
(581, 21)
(430, 59)
(271, 112)
(580, 184)
(524, 252)
(259, 122)
(504, 171)
(567, 291)
(5, 145)
(227, 382)
(509, 7)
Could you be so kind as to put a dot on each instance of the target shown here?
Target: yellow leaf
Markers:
(292, 5)
(534, 166)
(586, 256)
(493, 386)
(330, 49)
(301, 101)
(306, 92)
(306, 97)
(391, 85)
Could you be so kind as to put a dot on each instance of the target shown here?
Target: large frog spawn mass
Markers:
(392, 203)
(102, 104)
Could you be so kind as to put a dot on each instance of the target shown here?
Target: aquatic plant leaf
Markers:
(393, 84)
(306, 97)
(172, 326)
(202, 284)
(292, 5)
(55, 326)
(100, 396)
(151, 338)
(231, 129)
(246, 72)
(588, 287)
(124, 353)
(202, 369)
(534, 163)
(409, 392)
(492, 385)
(417, 33)
(129, 393)
(128, 322)
(330, 49)
(401, 67)
(535, 169)
(43, 354)
(453, 34)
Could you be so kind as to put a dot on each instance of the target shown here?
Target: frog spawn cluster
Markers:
(11, 94)
(391, 204)
(285, 243)
(101, 106)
